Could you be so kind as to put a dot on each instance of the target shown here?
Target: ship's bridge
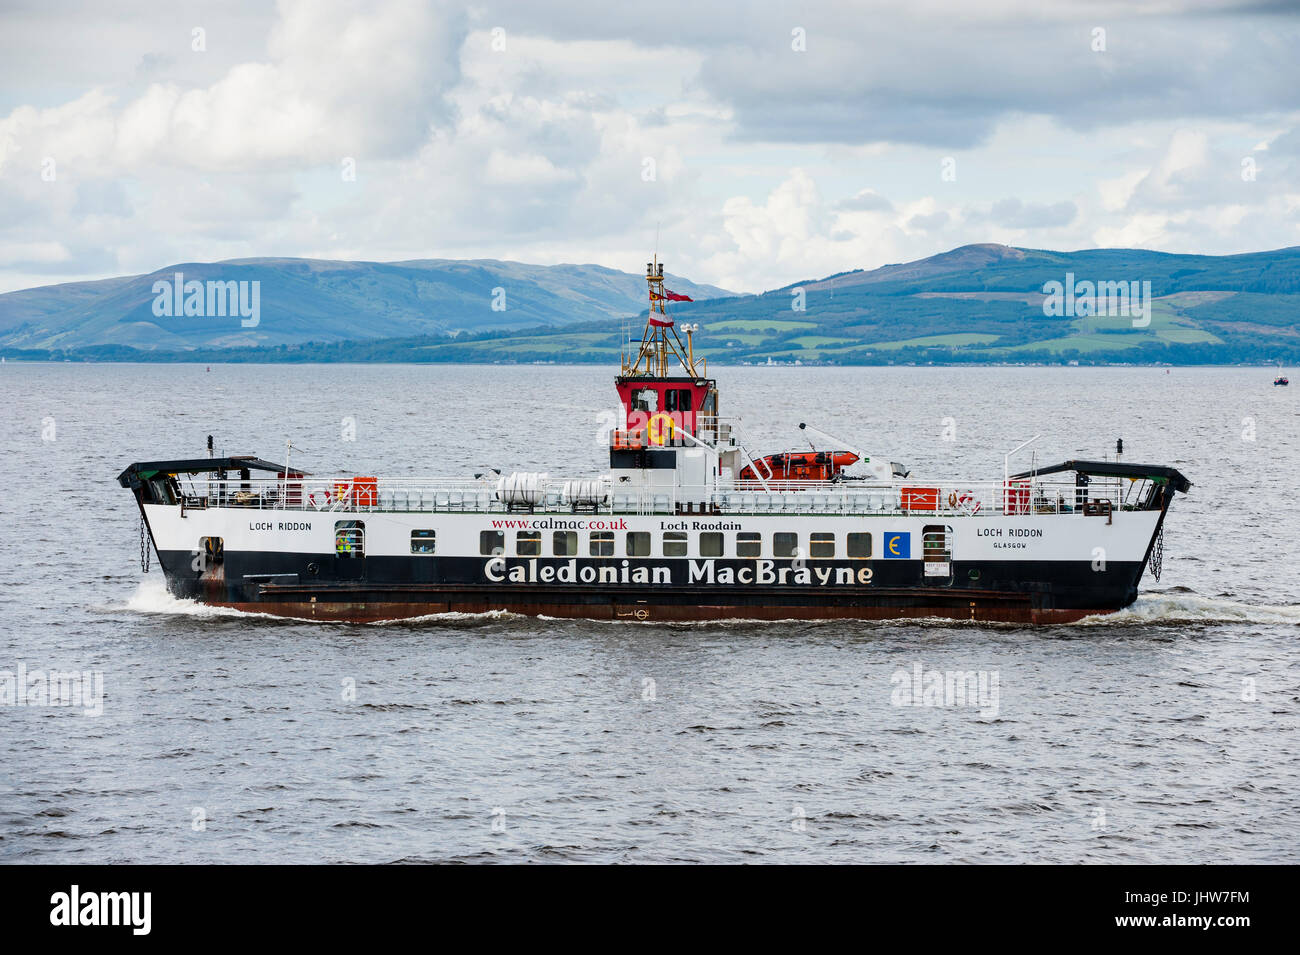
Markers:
(671, 435)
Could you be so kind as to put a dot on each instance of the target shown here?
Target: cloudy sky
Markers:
(766, 143)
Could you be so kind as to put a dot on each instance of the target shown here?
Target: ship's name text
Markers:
(698, 571)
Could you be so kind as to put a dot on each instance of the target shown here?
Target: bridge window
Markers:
(677, 399)
(528, 543)
(821, 546)
(646, 400)
(675, 543)
(711, 544)
(749, 545)
(491, 543)
(564, 543)
(638, 543)
(350, 539)
(785, 545)
(859, 546)
(601, 543)
(423, 542)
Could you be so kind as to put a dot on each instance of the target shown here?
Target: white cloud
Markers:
(339, 80)
(593, 131)
(1116, 193)
(34, 253)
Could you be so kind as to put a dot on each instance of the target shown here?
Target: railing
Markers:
(552, 495)
(712, 430)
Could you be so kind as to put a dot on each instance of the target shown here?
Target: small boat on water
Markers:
(685, 524)
(1281, 381)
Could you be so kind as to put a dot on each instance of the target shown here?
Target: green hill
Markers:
(302, 300)
(978, 303)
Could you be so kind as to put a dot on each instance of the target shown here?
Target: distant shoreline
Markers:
(262, 361)
(982, 304)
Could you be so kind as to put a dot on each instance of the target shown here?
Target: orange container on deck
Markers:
(920, 498)
(365, 491)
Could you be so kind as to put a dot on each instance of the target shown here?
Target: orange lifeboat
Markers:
(800, 466)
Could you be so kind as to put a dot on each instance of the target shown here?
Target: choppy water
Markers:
(1133, 738)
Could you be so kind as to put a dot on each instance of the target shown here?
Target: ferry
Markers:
(686, 524)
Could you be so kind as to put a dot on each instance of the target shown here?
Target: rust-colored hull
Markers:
(991, 611)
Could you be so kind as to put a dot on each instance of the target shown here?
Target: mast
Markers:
(660, 342)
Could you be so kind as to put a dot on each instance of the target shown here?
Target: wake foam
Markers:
(1184, 608)
(454, 616)
(153, 597)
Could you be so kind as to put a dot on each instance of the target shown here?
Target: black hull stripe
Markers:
(406, 586)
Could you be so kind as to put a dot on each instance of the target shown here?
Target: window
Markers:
(638, 543)
(646, 400)
(422, 542)
(677, 399)
(675, 543)
(601, 543)
(749, 545)
(711, 544)
(491, 543)
(785, 545)
(350, 539)
(564, 543)
(859, 546)
(528, 543)
(821, 545)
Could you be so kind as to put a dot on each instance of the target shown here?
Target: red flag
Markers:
(660, 322)
(674, 297)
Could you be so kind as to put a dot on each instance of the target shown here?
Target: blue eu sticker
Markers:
(898, 545)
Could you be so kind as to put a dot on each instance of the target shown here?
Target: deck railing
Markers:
(552, 495)
(710, 430)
